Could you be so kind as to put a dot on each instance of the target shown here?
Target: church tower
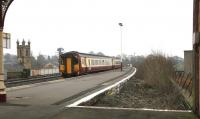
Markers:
(24, 54)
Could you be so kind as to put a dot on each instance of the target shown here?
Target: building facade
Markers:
(188, 61)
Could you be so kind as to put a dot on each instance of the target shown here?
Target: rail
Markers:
(31, 80)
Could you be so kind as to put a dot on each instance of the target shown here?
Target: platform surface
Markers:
(44, 100)
(85, 113)
(48, 100)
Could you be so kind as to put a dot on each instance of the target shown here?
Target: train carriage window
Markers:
(83, 61)
(92, 62)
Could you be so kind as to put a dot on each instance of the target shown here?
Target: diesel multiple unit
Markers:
(74, 63)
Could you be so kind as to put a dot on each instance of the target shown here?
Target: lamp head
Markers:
(120, 24)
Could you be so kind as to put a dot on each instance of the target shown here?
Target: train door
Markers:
(69, 65)
(88, 65)
(75, 64)
(113, 63)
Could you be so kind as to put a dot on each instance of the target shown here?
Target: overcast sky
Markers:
(92, 25)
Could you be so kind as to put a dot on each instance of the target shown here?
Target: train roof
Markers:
(87, 54)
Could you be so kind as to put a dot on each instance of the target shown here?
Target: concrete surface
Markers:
(88, 113)
(51, 93)
(47, 99)
(188, 61)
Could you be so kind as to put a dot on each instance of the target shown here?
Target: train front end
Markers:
(69, 64)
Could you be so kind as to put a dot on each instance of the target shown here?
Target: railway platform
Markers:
(44, 100)
(49, 100)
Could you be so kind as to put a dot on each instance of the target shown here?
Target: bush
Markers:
(156, 70)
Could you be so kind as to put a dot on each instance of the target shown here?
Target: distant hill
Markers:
(179, 59)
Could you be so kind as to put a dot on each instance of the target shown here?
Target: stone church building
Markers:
(24, 54)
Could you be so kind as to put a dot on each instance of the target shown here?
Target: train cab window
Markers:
(75, 60)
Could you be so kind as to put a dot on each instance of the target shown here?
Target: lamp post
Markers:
(4, 5)
(120, 24)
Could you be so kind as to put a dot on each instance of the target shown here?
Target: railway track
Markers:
(31, 80)
(38, 79)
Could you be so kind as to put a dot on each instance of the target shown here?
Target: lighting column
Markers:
(120, 24)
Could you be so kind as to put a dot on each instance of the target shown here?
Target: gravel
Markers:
(135, 94)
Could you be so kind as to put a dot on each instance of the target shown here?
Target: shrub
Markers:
(156, 70)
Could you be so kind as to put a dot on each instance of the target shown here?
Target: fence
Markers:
(35, 72)
(184, 80)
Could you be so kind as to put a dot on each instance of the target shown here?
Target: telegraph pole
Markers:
(4, 5)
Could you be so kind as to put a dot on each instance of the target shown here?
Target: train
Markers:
(74, 63)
